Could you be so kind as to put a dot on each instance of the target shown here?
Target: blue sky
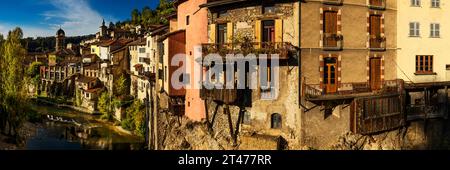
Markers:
(76, 17)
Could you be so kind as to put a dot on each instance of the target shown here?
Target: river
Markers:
(78, 131)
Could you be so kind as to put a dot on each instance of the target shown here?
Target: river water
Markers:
(86, 134)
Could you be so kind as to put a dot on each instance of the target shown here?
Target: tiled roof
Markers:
(85, 79)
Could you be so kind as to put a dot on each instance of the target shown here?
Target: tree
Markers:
(120, 86)
(13, 98)
(111, 25)
(105, 107)
(135, 17)
(147, 16)
(78, 99)
(135, 119)
(34, 73)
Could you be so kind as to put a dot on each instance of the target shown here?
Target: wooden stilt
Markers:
(214, 116)
(230, 123)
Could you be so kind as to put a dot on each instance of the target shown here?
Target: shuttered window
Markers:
(424, 64)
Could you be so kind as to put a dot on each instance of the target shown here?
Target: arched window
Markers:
(276, 121)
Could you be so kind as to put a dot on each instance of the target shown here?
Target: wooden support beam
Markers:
(214, 116)
(226, 109)
(238, 123)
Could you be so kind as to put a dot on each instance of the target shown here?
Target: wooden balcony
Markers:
(421, 112)
(332, 41)
(332, 2)
(313, 92)
(177, 105)
(377, 43)
(377, 4)
(227, 96)
(283, 49)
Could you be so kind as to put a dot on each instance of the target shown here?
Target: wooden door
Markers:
(330, 28)
(375, 73)
(330, 76)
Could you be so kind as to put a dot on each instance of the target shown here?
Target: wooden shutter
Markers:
(212, 33)
(229, 32)
(375, 24)
(375, 73)
(258, 33)
(279, 30)
(331, 22)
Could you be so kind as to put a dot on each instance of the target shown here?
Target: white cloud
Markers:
(76, 17)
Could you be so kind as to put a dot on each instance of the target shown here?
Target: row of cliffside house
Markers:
(362, 66)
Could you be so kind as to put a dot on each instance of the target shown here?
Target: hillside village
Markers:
(352, 74)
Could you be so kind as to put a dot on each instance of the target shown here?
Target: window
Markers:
(424, 64)
(415, 2)
(414, 29)
(268, 9)
(275, 121)
(434, 30)
(187, 20)
(268, 31)
(221, 33)
(435, 3)
(141, 50)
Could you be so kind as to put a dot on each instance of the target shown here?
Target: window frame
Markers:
(435, 3)
(424, 64)
(435, 33)
(415, 3)
(415, 29)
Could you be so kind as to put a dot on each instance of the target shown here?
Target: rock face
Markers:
(181, 134)
(430, 134)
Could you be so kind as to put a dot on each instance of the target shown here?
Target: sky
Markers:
(75, 17)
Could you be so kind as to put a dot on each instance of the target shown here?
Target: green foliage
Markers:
(78, 99)
(127, 124)
(13, 97)
(149, 16)
(33, 72)
(104, 106)
(120, 86)
(135, 119)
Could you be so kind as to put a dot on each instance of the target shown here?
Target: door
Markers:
(330, 78)
(330, 29)
(375, 73)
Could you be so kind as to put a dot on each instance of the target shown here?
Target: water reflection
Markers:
(56, 135)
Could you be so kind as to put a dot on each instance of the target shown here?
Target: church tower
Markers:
(60, 39)
(103, 29)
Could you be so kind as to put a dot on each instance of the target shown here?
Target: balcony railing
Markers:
(377, 43)
(377, 4)
(332, 41)
(332, 2)
(415, 112)
(281, 48)
(314, 91)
